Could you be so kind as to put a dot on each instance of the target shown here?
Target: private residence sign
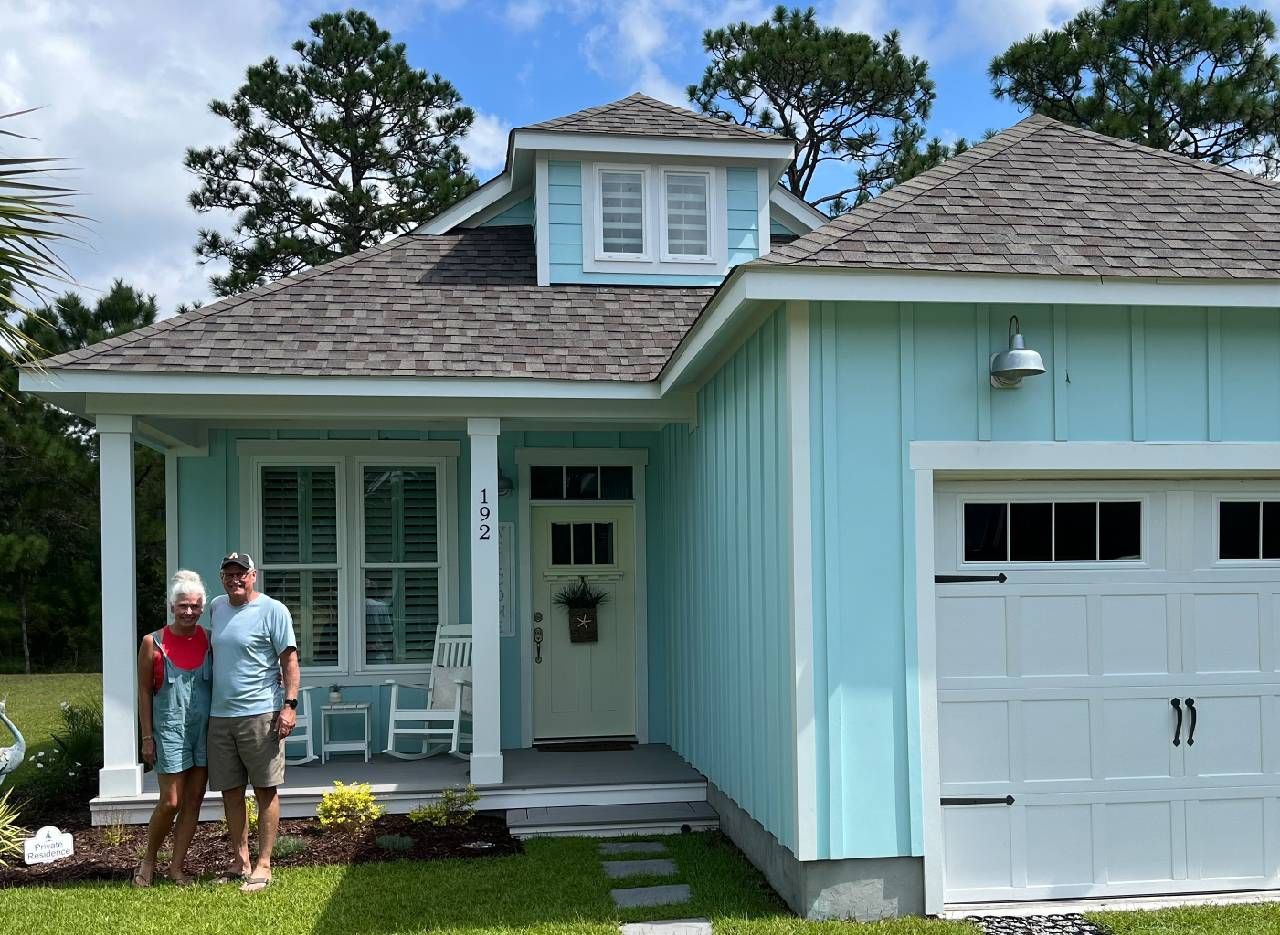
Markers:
(48, 845)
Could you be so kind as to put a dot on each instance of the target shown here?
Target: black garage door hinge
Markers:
(969, 579)
(978, 800)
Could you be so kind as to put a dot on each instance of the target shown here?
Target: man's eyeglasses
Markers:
(235, 575)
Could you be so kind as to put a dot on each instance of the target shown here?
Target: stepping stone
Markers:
(634, 868)
(633, 847)
(650, 896)
(673, 927)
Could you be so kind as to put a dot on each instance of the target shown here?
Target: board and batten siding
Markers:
(720, 582)
(564, 229)
(883, 375)
(208, 508)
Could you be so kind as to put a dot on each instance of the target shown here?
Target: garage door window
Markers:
(1047, 531)
(1248, 530)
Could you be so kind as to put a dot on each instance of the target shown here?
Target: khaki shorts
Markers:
(245, 750)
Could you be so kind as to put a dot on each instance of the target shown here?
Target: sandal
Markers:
(142, 880)
(255, 884)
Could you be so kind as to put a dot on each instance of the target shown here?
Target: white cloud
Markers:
(523, 15)
(993, 25)
(123, 91)
(486, 144)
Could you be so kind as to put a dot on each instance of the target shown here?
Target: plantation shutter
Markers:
(401, 564)
(622, 212)
(687, 227)
(300, 555)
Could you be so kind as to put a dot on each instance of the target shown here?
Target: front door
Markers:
(584, 689)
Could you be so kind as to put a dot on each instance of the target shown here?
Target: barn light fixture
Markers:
(1009, 367)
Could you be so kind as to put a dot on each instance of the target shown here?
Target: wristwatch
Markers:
(291, 703)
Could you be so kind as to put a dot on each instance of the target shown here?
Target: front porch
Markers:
(646, 775)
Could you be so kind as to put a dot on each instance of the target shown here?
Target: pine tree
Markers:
(332, 155)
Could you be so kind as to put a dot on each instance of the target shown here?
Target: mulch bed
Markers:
(108, 853)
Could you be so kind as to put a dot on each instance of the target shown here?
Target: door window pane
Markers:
(1239, 530)
(561, 544)
(1271, 530)
(312, 599)
(1120, 531)
(582, 542)
(1031, 532)
(603, 543)
(986, 533)
(1075, 532)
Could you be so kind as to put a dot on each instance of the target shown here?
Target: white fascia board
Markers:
(1138, 458)
(487, 194)
(715, 317)
(232, 385)
(550, 140)
(510, 200)
(796, 210)
(864, 285)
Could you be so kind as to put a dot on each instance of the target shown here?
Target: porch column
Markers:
(121, 773)
(486, 726)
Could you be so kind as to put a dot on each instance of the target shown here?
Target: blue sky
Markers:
(123, 86)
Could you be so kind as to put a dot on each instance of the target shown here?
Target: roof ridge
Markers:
(214, 308)
(902, 194)
(1187, 162)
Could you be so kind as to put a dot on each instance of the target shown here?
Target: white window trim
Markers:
(709, 174)
(646, 219)
(349, 459)
(652, 262)
(1096, 564)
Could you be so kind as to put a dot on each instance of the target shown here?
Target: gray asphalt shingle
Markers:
(641, 115)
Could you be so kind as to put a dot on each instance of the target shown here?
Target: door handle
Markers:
(1191, 734)
(1177, 731)
(537, 643)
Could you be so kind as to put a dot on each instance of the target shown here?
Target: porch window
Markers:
(357, 547)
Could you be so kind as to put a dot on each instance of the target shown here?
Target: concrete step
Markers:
(619, 869)
(632, 848)
(671, 895)
(670, 927)
(612, 820)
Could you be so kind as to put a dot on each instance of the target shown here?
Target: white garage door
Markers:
(1133, 615)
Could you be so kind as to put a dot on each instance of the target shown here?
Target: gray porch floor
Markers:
(650, 773)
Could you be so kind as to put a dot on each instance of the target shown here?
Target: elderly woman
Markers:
(174, 689)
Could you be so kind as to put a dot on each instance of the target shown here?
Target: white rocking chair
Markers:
(444, 720)
(302, 731)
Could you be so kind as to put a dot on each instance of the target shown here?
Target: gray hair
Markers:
(185, 582)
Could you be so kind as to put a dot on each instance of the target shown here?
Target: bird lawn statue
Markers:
(11, 757)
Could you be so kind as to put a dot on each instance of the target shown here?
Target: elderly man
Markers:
(255, 654)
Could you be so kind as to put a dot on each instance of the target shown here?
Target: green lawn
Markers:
(31, 702)
(557, 886)
(1251, 919)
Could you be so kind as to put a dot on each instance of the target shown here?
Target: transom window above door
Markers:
(357, 548)
(1053, 531)
(580, 482)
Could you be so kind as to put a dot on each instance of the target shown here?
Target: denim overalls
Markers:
(180, 713)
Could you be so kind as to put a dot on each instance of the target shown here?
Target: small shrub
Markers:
(66, 775)
(348, 808)
(394, 842)
(115, 833)
(11, 833)
(453, 809)
(287, 845)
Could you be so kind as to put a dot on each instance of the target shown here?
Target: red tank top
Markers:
(186, 652)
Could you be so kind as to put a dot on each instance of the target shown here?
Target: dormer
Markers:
(639, 192)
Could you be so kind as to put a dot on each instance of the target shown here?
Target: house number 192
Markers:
(485, 514)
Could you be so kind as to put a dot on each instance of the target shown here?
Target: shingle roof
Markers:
(641, 115)
(1046, 198)
(459, 304)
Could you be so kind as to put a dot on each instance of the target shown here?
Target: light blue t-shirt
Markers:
(247, 643)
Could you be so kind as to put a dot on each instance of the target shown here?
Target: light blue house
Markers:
(930, 634)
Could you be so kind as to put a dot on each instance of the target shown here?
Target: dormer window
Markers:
(646, 219)
(686, 209)
(622, 212)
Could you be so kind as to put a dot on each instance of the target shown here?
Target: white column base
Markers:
(486, 769)
(117, 782)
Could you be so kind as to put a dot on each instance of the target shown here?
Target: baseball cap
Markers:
(243, 559)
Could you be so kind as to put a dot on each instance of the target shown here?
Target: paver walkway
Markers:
(648, 858)
(1068, 924)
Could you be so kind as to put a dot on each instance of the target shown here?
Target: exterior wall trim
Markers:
(632, 457)
(932, 461)
(801, 581)
(561, 140)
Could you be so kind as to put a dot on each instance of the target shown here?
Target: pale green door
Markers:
(584, 689)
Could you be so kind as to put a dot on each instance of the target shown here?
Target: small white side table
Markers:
(327, 746)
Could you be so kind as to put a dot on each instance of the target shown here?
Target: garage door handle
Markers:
(1191, 734)
(969, 579)
(978, 800)
(1177, 731)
